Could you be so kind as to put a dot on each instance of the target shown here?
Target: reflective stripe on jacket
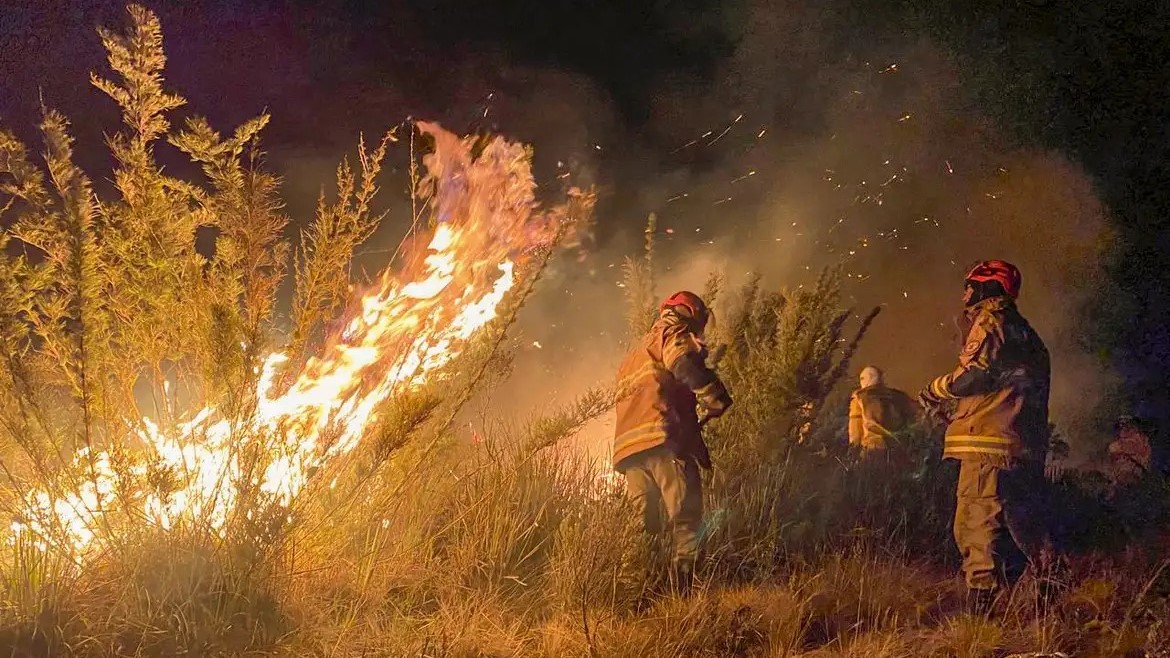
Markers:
(654, 408)
(1000, 386)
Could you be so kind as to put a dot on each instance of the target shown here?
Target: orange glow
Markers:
(403, 329)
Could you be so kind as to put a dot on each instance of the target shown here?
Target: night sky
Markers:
(632, 96)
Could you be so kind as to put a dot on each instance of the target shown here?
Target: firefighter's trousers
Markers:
(669, 491)
(1001, 522)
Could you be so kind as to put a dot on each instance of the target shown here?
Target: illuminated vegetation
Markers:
(414, 544)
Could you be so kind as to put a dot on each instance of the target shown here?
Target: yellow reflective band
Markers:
(633, 442)
(939, 388)
(988, 445)
(650, 369)
(976, 450)
(654, 427)
(996, 440)
(677, 345)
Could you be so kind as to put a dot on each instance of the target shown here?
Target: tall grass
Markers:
(420, 544)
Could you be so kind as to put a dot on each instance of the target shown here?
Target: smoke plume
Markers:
(822, 135)
(795, 156)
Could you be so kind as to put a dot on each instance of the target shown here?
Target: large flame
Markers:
(401, 331)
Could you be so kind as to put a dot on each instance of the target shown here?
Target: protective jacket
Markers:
(1130, 456)
(660, 382)
(876, 413)
(1000, 387)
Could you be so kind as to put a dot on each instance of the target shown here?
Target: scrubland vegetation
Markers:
(419, 544)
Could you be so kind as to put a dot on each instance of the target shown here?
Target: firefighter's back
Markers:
(640, 412)
(1011, 415)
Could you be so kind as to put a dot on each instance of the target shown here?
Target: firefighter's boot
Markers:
(682, 577)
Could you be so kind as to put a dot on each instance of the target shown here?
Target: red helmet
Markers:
(1001, 271)
(690, 301)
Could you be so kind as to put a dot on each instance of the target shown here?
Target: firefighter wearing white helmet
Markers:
(878, 413)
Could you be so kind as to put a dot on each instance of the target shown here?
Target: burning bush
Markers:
(178, 485)
(144, 411)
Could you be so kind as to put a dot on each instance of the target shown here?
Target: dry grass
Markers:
(424, 546)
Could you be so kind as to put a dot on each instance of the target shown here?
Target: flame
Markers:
(402, 331)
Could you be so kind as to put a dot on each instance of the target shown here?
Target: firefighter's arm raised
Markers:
(973, 376)
(684, 356)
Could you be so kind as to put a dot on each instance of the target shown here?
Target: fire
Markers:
(401, 331)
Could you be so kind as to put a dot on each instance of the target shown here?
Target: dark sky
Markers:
(1065, 105)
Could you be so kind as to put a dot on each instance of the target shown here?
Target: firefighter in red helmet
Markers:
(658, 443)
(997, 428)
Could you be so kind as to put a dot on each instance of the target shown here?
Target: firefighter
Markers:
(658, 445)
(998, 430)
(1130, 453)
(1130, 498)
(877, 413)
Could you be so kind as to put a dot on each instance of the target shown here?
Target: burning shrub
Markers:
(117, 329)
(178, 487)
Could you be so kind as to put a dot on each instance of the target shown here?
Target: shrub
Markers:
(416, 542)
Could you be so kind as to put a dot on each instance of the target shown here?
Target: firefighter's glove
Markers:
(714, 399)
(930, 402)
(690, 369)
(935, 409)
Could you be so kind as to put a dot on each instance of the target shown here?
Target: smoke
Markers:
(825, 135)
(822, 139)
(795, 156)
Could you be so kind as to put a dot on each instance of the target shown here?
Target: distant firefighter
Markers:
(998, 430)
(1130, 452)
(877, 413)
(658, 441)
